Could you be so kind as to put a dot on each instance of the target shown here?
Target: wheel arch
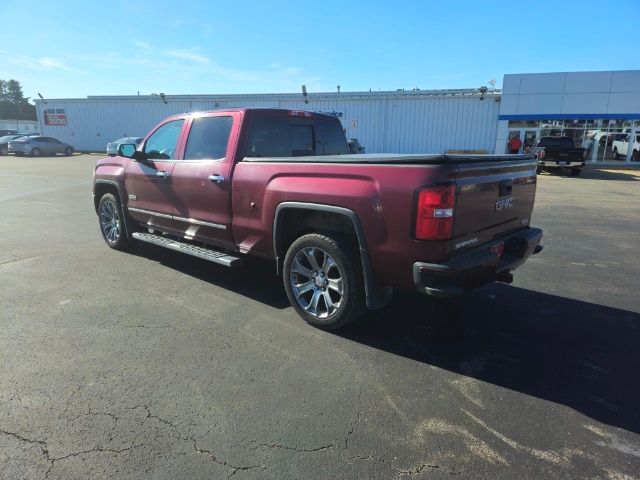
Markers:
(100, 187)
(377, 295)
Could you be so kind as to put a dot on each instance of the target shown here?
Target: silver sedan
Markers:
(39, 145)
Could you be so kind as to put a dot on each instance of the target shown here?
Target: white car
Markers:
(112, 147)
(620, 148)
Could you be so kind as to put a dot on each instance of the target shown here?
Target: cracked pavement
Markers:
(155, 365)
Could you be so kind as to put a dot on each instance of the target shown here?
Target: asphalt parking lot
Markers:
(155, 365)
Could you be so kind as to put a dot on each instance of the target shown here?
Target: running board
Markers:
(200, 252)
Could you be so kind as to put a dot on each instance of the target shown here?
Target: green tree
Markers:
(14, 92)
(13, 104)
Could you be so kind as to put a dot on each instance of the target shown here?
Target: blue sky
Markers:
(66, 49)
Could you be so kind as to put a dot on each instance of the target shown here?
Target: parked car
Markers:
(344, 230)
(559, 153)
(112, 147)
(621, 147)
(4, 132)
(4, 141)
(37, 146)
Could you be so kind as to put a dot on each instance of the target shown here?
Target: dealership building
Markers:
(594, 108)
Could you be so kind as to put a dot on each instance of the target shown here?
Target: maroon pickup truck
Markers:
(344, 230)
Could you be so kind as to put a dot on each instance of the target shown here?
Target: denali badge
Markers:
(466, 243)
(504, 203)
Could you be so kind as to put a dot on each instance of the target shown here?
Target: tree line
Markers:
(13, 104)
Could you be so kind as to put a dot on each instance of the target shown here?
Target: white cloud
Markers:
(188, 55)
(141, 44)
(45, 63)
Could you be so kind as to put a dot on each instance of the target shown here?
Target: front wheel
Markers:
(3, 150)
(323, 280)
(111, 222)
(615, 154)
(68, 151)
(35, 152)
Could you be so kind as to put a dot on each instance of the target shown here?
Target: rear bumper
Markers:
(560, 163)
(477, 267)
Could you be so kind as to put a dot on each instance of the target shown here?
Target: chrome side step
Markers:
(200, 252)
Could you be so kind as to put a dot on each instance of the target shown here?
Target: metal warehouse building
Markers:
(404, 121)
(588, 106)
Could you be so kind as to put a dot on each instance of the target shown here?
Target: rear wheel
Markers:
(615, 154)
(575, 172)
(68, 151)
(323, 281)
(3, 150)
(112, 223)
(35, 152)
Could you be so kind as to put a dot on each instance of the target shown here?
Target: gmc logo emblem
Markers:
(504, 203)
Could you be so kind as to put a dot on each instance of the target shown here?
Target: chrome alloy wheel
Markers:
(110, 221)
(316, 282)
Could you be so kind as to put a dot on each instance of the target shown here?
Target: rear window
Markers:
(556, 142)
(284, 136)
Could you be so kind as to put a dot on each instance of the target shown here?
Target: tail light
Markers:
(434, 212)
(541, 154)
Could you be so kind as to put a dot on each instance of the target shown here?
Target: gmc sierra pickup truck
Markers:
(344, 230)
(559, 153)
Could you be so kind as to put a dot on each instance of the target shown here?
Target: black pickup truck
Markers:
(558, 152)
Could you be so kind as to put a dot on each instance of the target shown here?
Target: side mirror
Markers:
(129, 150)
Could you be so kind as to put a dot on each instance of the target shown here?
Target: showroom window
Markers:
(609, 137)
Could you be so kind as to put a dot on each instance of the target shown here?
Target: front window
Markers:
(162, 144)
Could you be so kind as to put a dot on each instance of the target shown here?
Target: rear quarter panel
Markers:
(380, 195)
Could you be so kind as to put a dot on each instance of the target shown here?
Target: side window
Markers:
(208, 138)
(162, 143)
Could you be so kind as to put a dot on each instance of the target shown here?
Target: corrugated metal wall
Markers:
(399, 122)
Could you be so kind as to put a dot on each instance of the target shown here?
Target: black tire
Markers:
(615, 154)
(635, 155)
(336, 283)
(68, 151)
(576, 172)
(539, 169)
(111, 222)
(35, 152)
(3, 151)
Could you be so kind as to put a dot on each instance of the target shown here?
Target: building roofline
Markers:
(400, 93)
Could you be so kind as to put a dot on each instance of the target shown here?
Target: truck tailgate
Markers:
(493, 198)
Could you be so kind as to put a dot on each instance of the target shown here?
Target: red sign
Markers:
(58, 118)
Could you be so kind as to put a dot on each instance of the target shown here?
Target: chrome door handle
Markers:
(216, 178)
(162, 174)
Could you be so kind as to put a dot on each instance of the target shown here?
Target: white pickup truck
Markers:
(620, 148)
